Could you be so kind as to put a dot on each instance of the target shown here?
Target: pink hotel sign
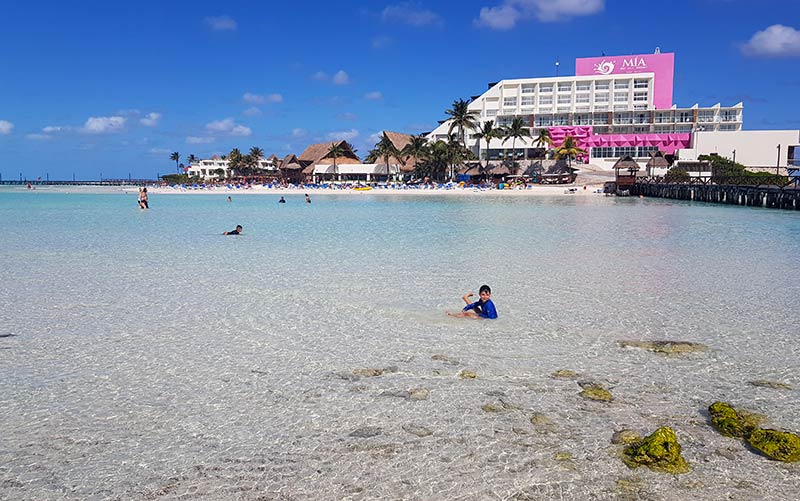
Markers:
(662, 65)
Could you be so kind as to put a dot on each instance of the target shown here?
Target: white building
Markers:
(209, 168)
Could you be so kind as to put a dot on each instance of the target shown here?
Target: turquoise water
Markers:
(149, 353)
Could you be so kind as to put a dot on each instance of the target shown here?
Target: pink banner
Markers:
(661, 65)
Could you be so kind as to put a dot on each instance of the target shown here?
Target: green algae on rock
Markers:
(777, 445)
(564, 374)
(659, 451)
(665, 347)
(465, 374)
(732, 423)
(596, 392)
(775, 385)
(563, 456)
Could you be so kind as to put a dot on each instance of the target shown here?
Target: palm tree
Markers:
(516, 130)
(569, 148)
(191, 159)
(462, 118)
(544, 139)
(255, 155)
(487, 132)
(385, 149)
(336, 150)
(235, 160)
(176, 157)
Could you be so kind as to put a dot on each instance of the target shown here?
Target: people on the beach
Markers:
(143, 202)
(308, 199)
(237, 231)
(283, 200)
(230, 199)
(482, 308)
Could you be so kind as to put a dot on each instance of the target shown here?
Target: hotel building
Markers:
(613, 107)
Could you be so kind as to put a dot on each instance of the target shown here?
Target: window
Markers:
(582, 98)
(728, 127)
(564, 87)
(601, 85)
(683, 128)
(641, 118)
(685, 116)
(527, 101)
(729, 116)
(663, 129)
(545, 88)
(543, 121)
(622, 151)
(582, 86)
(640, 84)
(564, 99)
(622, 85)
(641, 128)
(640, 96)
(582, 120)
(664, 118)
(620, 107)
(561, 120)
(620, 97)
(601, 119)
(545, 99)
(491, 113)
(601, 98)
(504, 120)
(622, 118)
(509, 102)
(528, 88)
(602, 152)
(644, 151)
(705, 116)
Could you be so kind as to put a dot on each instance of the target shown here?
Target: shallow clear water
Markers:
(150, 356)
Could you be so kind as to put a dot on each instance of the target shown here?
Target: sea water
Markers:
(146, 355)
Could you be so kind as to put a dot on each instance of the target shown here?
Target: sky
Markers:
(111, 88)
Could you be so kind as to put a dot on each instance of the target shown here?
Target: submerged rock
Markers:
(465, 374)
(659, 451)
(777, 445)
(446, 359)
(564, 374)
(731, 423)
(563, 456)
(368, 372)
(539, 419)
(419, 394)
(626, 436)
(596, 392)
(366, 432)
(417, 429)
(666, 347)
(775, 385)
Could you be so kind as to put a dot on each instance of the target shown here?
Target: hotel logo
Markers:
(604, 67)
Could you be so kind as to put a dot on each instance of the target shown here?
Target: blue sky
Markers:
(106, 87)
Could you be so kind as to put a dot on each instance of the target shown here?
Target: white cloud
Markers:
(6, 127)
(104, 125)
(775, 41)
(408, 13)
(341, 78)
(510, 12)
(375, 138)
(229, 127)
(54, 129)
(199, 140)
(252, 112)
(320, 75)
(346, 135)
(373, 96)
(298, 133)
(260, 99)
(159, 151)
(221, 23)
(150, 120)
(348, 116)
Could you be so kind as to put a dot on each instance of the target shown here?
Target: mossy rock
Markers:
(494, 408)
(465, 374)
(563, 456)
(665, 347)
(659, 451)
(597, 393)
(564, 374)
(732, 423)
(777, 445)
(626, 437)
(775, 385)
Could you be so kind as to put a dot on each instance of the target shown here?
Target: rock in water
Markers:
(419, 394)
(777, 445)
(659, 451)
(666, 347)
(418, 430)
(368, 372)
(596, 392)
(564, 374)
(731, 423)
(465, 374)
(366, 432)
(626, 436)
(775, 385)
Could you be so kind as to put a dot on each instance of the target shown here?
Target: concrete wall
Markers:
(754, 148)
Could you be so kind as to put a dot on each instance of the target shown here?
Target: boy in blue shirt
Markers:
(483, 308)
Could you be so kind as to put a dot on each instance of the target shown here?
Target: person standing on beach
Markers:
(483, 308)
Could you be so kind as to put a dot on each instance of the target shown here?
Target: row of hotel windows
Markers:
(619, 97)
(621, 151)
(584, 86)
(624, 118)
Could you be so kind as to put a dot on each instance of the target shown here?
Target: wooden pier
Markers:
(721, 192)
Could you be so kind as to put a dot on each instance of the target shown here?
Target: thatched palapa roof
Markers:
(657, 161)
(400, 141)
(626, 163)
(290, 162)
(318, 153)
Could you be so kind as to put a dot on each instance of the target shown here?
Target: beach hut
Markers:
(625, 170)
(657, 163)
(291, 169)
(317, 154)
(560, 172)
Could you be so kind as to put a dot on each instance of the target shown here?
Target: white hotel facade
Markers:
(614, 106)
